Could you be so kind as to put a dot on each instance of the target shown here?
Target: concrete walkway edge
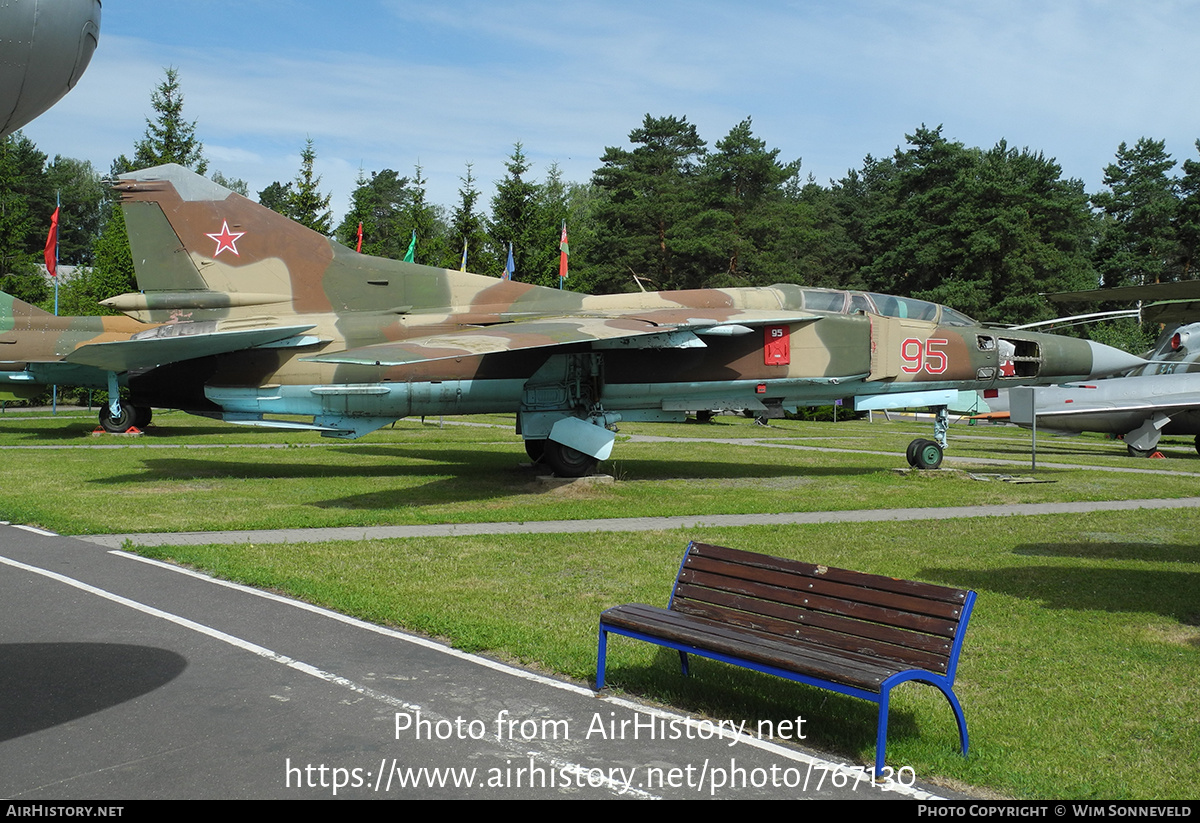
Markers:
(629, 524)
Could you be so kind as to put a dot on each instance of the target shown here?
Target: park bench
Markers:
(853, 633)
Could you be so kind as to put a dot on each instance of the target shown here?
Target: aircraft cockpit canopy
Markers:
(888, 305)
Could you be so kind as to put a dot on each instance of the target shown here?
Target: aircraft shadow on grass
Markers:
(1089, 589)
(494, 470)
(47, 684)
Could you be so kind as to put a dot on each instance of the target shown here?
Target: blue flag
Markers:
(509, 268)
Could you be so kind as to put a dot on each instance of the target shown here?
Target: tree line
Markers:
(986, 231)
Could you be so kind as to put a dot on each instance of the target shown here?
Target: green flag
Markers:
(412, 248)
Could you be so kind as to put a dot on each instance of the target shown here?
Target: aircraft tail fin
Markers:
(201, 251)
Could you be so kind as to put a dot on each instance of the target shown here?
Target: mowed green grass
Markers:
(1079, 670)
(190, 474)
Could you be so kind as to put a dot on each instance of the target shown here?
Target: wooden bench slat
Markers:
(844, 604)
(903, 657)
(839, 668)
(818, 585)
(927, 590)
(689, 598)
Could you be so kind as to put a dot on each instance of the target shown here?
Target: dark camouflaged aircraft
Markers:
(256, 316)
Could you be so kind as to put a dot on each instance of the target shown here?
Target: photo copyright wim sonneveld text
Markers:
(535, 771)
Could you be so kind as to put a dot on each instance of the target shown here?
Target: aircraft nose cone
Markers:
(1107, 360)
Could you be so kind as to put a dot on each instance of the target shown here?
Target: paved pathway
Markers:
(629, 524)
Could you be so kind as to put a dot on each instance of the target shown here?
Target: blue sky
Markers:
(390, 83)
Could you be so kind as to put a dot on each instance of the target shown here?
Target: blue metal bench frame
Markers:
(852, 633)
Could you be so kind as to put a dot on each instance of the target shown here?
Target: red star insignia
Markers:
(226, 239)
(1007, 368)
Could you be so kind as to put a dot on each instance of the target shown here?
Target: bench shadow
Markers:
(834, 723)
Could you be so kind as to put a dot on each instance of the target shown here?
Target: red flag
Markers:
(52, 246)
(359, 246)
(563, 252)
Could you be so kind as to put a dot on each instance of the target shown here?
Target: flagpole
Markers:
(57, 207)
(563, 251)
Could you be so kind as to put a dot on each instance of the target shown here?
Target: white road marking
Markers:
(276, 657)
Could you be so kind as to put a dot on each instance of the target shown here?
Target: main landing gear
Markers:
(563, 460)
(924, 454)
(927, 454)
(130, 417)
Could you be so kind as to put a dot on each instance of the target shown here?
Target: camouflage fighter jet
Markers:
(38, 349)
(372, 340)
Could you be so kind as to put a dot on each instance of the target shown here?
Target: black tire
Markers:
(536, 449)
(120, 424)
(928, 455)
(1198, 444)
(142, 415)
(911, 453)
(1138, 452)
(567, 462)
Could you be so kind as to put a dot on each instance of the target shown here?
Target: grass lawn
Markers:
(190, 474)
(1079, 669)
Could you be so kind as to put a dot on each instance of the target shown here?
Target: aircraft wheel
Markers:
(120, 424)
(142, 415)
(911, 453)
(1139, 452)
(536, 449)
(928, 455)
(1198, 444)
(567, 462)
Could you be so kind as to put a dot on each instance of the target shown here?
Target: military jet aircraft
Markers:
(41, 349)
(1161, 396)
(45, 45)
(355, 342)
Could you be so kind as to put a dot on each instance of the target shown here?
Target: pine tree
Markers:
(381, 204)
(169, 137)
(426, 223)
(1187, 219)
(234, 184)
(743, 216)
(982, 231)
(305, 203)
(647, 194)
(514, 219)
(466, 225)
(275, 197)
(1137, 243)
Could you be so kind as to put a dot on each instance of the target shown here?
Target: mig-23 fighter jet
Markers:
(363, 341)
